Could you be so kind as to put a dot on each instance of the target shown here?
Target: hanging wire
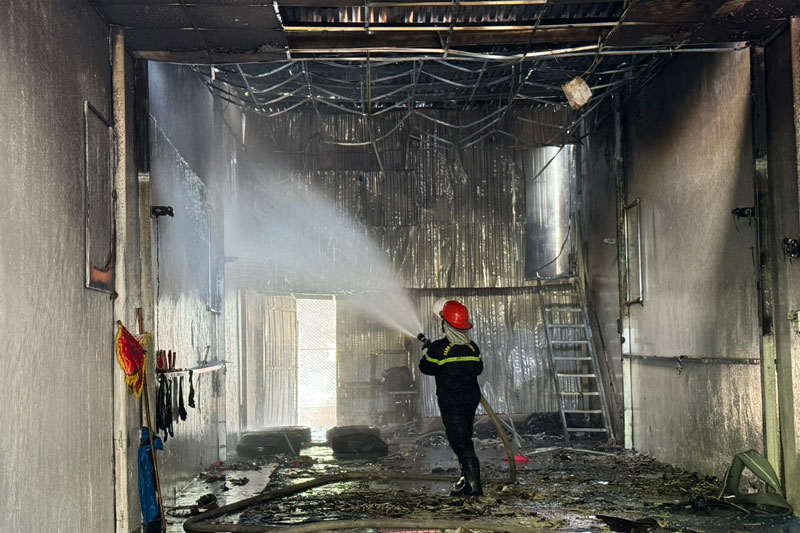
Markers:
(507, 80)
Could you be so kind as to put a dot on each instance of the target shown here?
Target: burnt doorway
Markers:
(316, 367)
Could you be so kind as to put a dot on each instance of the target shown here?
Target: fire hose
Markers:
(195, 523)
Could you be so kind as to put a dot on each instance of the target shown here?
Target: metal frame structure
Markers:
(419, 84)
(370, 58)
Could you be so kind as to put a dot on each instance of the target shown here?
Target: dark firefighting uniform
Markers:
(456, 368)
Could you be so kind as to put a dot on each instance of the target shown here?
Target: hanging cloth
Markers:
(181, 407)
(164, 407)
(191, 390)
(160, 394)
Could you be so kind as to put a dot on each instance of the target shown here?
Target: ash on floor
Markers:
(559, 488)
(219, 485)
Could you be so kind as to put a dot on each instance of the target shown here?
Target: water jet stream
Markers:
(312, 246)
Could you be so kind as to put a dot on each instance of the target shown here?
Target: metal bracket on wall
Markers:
(161, 210)
(793, 316)
(637, 220)
(743, 212)
(791, 248)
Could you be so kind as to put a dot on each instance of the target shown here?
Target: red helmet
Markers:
(456, 314)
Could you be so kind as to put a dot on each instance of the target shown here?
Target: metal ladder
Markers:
(573, 364)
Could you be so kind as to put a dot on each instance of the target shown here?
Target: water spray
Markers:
(424, 340)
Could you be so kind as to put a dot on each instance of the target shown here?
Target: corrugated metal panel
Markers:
(445, 217)
(365, 349)
(444, 14)
(448, 219)
(509, 330)
(271, 360)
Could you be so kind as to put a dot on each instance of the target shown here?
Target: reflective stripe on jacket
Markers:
(456, 368)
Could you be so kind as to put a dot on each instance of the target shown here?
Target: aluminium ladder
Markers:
(573, 363)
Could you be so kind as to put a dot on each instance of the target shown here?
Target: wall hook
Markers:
(161, 210)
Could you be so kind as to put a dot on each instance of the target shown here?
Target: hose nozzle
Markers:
(424, 340)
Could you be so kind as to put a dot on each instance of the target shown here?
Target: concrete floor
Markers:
(560, 488)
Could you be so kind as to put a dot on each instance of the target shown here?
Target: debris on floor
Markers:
(629, 522)
(589, 487)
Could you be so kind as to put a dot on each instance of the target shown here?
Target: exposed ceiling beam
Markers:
(307, 41)
(415, 54)
(356, 55)
(202, 57)
(356, 27)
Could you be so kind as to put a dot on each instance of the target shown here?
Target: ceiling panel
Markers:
(238, 40)
(235, 17)
(145, 39)
(145, 16)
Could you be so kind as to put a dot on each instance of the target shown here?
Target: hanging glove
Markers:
(160, 395)
(181, 408)
(169, 430)
(164, 407)
(191, 390)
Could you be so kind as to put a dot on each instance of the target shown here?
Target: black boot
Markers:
(461, 487)
(473, 475)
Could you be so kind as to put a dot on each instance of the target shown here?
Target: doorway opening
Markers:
(316, 366)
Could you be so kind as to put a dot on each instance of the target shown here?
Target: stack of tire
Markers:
(287, 440)
(357, 442)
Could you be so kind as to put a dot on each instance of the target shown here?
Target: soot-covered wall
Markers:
(450, 221)
(688, 159)
(187, 170)
(443, 219)
(783, 90)
(56, 337)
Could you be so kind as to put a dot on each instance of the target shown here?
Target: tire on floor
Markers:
(357, 442)
(271, 441)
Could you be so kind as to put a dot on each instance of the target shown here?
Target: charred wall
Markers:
(783, 90)
(56, 337)
(597, 201)
(187, 170)
(451, 221)
(445, 217)
(688, 160)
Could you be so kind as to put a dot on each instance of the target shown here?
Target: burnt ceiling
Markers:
(368, 57)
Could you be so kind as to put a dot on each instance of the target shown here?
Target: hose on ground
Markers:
(512, 464)
(194, 525)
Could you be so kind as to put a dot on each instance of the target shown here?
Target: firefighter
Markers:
(456, 363)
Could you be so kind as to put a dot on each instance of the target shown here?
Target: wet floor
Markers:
(221, 485)
(559, 488)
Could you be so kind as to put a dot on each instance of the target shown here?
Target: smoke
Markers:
(310, 245)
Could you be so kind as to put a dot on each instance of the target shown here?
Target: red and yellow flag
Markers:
(132, 359)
